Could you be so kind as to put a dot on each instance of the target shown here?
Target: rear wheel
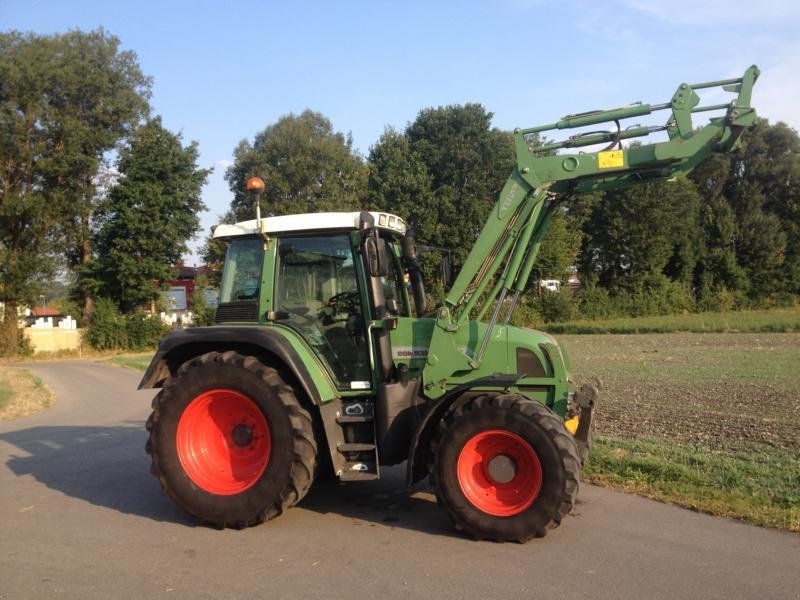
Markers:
(230, 442)
(505, 468)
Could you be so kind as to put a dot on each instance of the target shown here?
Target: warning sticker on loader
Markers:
(611, 159)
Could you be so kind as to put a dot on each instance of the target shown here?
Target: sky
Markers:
(223, 71)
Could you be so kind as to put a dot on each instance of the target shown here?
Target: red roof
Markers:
(46, 311)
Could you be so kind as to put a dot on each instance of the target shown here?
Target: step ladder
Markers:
(359, 448)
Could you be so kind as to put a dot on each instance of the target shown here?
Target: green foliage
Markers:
(560, 247)
(142, 332)
(110, 330)
(641, 232)
(307, 167)
(106, 329)
(594, 302)
(556, 306)
(758, 486)
(526, 314)
(776, 320)
(443, 174)
(148, 216)
(65, 100)
(203, 313)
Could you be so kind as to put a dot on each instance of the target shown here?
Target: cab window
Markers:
(242, 273)
(318, 290)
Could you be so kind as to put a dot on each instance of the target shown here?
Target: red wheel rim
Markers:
(223, 442)
(494, 452)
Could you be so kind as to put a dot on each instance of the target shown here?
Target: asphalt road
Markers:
(80, 517)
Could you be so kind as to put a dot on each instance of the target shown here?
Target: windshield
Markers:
(241, 278)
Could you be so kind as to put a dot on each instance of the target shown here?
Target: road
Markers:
(80, 517)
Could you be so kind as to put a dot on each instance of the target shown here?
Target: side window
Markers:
(394, 284)
(242, 273)
(318, 289)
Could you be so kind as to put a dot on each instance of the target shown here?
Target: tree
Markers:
(468, 162)
(754, 212)
(148, 216)
(65, 100)
(101, 95)
(762, 190)
(399, 183)
(307, 167)
(560, 247)
(443, 175)
(644, 232)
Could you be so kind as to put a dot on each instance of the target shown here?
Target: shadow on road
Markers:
(105, 466)
(108, 467)
(385, 502)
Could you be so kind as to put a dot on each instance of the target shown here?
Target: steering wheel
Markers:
(344, 302)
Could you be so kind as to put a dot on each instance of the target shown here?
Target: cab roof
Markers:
(309, 222)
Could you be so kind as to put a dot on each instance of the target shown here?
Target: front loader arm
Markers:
(506, 249)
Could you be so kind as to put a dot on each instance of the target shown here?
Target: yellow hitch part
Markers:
(572, 425)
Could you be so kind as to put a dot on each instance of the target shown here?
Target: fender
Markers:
(420, 444)
(184, 344)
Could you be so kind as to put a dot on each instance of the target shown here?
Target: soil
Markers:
(723, 391)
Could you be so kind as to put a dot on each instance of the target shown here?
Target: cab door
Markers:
(317, 289)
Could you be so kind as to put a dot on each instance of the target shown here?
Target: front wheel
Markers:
(230, 442)
(505, 468)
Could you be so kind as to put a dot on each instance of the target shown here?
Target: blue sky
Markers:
(223, 71)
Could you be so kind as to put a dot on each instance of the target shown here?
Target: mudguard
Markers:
(420, 445)
(184, 344)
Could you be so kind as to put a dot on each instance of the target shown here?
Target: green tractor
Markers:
(325, 358)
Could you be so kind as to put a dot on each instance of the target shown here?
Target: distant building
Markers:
(179, 296)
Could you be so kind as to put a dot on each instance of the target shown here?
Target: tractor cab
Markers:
(310, 273)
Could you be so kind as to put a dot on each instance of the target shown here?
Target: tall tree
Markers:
(468, 162)
(65, 100)
(148, 216)
(762, 190)
(399, 183)
(754, 212)
(102, 95)
(644, 232)
(307, 167)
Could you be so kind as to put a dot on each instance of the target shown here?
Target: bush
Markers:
(594, 302)
(106, 329)
(557, 306)
(142, 332)
(109, 330)
(526, 315)
(204, 314)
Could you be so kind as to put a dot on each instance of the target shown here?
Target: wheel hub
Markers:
(502, 468)
(499, 472)
(223, 442)
(242, 435)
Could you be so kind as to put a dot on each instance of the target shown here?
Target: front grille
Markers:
(237, 311)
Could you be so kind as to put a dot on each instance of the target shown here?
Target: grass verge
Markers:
(760, 487)
(775, 320)
(138, 362)
(21, 394)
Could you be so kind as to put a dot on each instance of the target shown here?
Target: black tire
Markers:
(290, 461)
(527, 423)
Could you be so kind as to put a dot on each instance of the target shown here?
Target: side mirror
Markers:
(377, 259)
